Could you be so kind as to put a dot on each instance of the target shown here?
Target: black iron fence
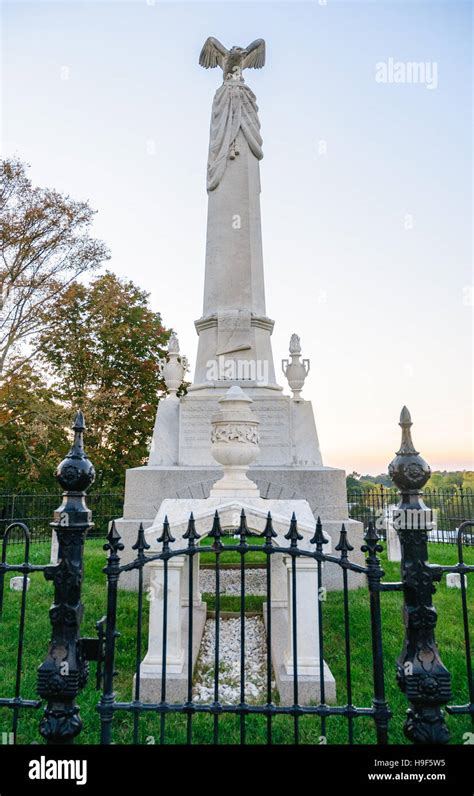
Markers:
(294, 692)
(450, 508)
(315, 701)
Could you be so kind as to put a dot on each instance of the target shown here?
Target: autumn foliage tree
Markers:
(45, 246)
(102, 349)
(33, 431)
(68, 340)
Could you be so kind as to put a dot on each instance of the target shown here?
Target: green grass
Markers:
(449, 636)
(233, 557)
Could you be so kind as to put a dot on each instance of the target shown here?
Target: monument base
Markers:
(323, 487)
(309, 685)
(176, 681)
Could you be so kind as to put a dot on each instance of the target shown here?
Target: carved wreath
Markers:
(235, 434)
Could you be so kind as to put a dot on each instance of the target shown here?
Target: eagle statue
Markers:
(235, 60)
(234, 109)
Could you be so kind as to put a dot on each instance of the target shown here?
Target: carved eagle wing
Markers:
(213, 54)
(254, 55)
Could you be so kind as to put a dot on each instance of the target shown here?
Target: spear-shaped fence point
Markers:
(243, 527)
(293, 534)
(268, 532)
(371, 538)
(141, 544)
(216, 530)
(114, 543)
(343, 546)
(191, 534)
(318, 539)
(166, 538)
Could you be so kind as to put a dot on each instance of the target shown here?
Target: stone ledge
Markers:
(176, 683)
(309, 686)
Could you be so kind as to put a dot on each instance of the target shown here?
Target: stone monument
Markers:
(234, 346)
(234, 443)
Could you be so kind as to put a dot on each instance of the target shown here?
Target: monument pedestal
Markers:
(323, 487)
(307, 635)
(309, 682)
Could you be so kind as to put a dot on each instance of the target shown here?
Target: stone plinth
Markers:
(256, 511)
(323, 487)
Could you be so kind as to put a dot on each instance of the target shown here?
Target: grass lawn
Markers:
(449, 636)
(234, 558)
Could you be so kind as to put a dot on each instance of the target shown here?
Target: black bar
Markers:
(164, 648)
(269, 643)
(242, 644)
(295, 648)
(107, 700)
(189, 728)
(217, 644)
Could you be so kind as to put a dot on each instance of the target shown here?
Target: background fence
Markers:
(36, 511)
(453, 506)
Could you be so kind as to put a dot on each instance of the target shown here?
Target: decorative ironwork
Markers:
(17, 702)
(64, 672)
(244, 544)
(421, 674)
(450, 506)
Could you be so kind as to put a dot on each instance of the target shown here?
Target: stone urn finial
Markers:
(408, 470)
(173, 370)
(295, 371)
(234, 441)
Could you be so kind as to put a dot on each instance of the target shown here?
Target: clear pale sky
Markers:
(107, 102)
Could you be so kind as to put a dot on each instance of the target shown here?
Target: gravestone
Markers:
(234, 346)
(234, 443)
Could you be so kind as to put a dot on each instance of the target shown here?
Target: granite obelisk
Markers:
(234, 346)
(234, 331)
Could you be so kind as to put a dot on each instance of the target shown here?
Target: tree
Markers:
(352, 481)
(33, 435)
(102, 348)
(45, 246)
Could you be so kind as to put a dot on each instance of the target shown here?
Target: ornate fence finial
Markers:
(408, 470)
(421, 674)
(216, 531)
(243, 529)
(64, 672)
(268, 532)
(191, 534)
(76, 473)
(114, 544)
(319, 539)
(166, 537)
(141, 544)
(293, 534)
(343, 546)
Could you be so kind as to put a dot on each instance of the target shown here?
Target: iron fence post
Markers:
(375, 573)
(64, 672)
(421, 674)
(112, 570)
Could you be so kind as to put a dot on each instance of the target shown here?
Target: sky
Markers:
(366, 185)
